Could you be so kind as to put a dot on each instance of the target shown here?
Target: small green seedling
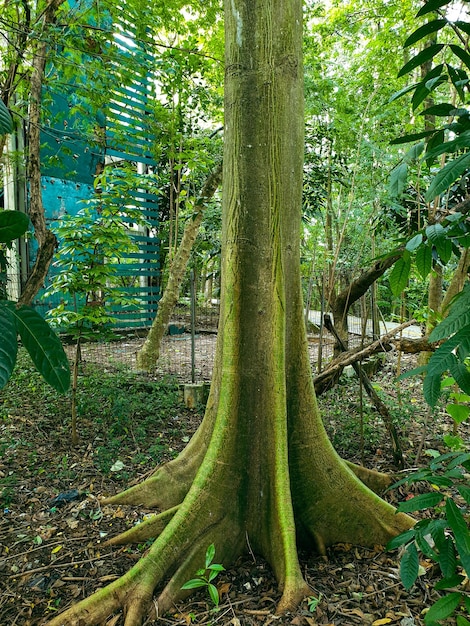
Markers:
(313, 602)
(206, 575)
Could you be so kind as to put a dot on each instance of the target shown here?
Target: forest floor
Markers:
(53, 528)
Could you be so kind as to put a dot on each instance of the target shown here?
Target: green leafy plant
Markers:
(93, 243)
(206, 575)
(451, 356)
(459, 410)
(313, 602)
(6, 123)
(450, 72)
(443, 538)
(37, 336)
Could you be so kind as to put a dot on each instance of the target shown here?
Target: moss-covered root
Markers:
(132, 593)
(377, 482)
(178, 553)
(148, 529)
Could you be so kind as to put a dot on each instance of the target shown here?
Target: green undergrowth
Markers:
(354, 425)
(127, 424)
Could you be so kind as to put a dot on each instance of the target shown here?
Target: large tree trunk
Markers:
(148, 355)
(260, 471)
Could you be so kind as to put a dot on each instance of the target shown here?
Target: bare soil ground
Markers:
(53, 551)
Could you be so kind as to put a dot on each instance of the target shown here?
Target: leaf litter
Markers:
(53, 528)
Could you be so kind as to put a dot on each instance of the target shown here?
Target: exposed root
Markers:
(376, 481)
(164, 489)
(129, 593)
(148, 529)
(293, 594)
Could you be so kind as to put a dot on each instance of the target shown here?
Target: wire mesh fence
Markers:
(186, 353)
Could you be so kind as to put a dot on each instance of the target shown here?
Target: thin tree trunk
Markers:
(457, 283)
(355, 290)
(45, 238)
(148, 355)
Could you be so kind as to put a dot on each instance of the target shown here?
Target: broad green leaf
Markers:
(210, 553)
(409, 566)
(398, 277)
(44, 347)
(462, 621)
(13, 224)
(447, 175)
(423, 260)
(425, 547)
(414, 152)
(434, 143)
(459, 331)
(448, 583)
(398, 178)
(463, 141)
(443, 608)
(464, 492)
(425, 55)
(458, 412)
(461, 532)
(9, 343)
(412, 137)
(6, 123)
(401, 539)
(458, 318)
(400, 93)
(440, 110)
(422, 31)
(444, 358)
(420, 95)
(458, 78)
(434, 232)
(194, 583)
(432, 388)
(447, 557)
(463, 351)
(444, 249)
(414, 372)
(465, 26)
(420, 503)
(413, 243)
(461, 53)
(213, 574)
(430, 6)
(216, 567)
(214, 594)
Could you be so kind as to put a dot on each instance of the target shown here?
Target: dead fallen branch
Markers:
(325, 380)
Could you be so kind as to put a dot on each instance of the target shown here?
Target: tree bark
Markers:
(45, 238)
(458, 281)
(346, 298)
(148, 355)
(260, 471)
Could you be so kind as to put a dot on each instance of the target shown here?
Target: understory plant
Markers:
(442, 537)
(92, 245)
(38, 338)
(206, 575)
